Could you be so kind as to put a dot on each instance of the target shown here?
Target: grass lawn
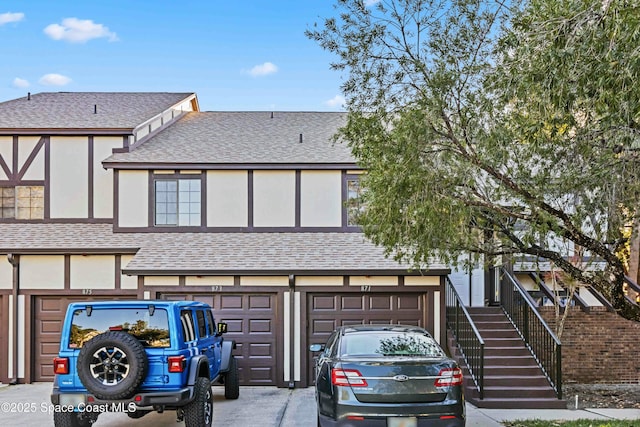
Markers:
(573, 423)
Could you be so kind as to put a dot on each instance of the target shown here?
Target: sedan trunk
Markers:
(399, 379)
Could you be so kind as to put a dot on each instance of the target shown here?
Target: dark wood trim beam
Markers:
(90, 183)
(36, 150)
(250, 200)
(47, 177)
(298, 198)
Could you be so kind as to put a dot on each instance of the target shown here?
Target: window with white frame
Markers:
(354, 205)
(178, 202)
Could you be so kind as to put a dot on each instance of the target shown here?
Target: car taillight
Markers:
(347, 377)
(176, 363)
(61, 365)
(448, 377)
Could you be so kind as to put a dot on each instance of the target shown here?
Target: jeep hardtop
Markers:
(138, 357)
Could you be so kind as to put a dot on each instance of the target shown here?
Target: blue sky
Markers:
(236, 55)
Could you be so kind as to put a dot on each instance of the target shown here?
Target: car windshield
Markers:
(151, 327)
(390, 343)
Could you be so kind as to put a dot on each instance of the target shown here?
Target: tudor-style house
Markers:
(141, 195)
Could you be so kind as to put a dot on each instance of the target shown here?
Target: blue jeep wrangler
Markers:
(138, 357)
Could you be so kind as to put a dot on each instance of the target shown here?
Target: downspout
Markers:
(14, 260)
(292, 350)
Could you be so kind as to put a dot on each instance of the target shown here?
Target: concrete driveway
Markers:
(28, 405)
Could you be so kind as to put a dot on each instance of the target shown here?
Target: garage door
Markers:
(48, 318)
(328, 311)
(252, 323)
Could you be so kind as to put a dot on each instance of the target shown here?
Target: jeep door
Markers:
(207, 342)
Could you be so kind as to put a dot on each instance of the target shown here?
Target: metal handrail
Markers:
(634, 287)
(468, 338)
(541, 341)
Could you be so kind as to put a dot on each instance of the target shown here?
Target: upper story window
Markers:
(178, 202)
(354, 204)
(22, 202)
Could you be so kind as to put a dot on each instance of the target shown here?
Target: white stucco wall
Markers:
(320, 199)
(161, 281)
(373, 281)
(35, 171)
(264, 281)
(127, 282)
(422, 281)
(69, 177)
(41, 272)
(274, 198)
(227, 199)
(133, 199)
(92, 272)
(6, 152)
(319, 281)
(103, 178)
(6, 273)
(209, 281)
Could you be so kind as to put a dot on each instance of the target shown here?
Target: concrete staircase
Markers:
(512, 377)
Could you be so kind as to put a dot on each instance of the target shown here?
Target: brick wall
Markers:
(598, 347)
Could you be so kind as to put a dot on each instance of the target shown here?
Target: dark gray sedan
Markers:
(387, 376)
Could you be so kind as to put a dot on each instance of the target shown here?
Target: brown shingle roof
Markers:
(75, 110)
(208, 253)
(244, 138)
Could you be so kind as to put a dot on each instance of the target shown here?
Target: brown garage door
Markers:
(49, 315)
(328, 311)
(252, 323)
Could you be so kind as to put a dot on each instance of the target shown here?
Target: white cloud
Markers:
(5, 18)
(76, 30)
(263, 69)
(337, 101)
(54, 80)
(18, 82)
(369, 3)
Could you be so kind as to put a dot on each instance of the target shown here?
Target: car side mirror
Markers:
(222, 328)
(316, 347)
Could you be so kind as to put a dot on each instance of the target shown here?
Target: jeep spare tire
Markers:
(112, 365)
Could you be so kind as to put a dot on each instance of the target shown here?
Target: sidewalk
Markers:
(27, 405)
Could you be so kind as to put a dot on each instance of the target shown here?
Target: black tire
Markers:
(112, 365)
(199, 412)
(231, 380)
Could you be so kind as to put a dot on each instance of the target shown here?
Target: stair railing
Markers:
(537, 335)
(634, 287)
(468, 339)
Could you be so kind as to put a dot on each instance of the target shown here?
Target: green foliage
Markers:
(494, 128)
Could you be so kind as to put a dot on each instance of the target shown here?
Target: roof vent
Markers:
(300, 138)
(28, 96)
(272, 114)
(95, 108)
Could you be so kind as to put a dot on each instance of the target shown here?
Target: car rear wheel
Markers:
(199, 413)
(112, 365)
(231, 380)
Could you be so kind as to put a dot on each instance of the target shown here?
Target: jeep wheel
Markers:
(199, 413)
(71, 419)
(231, 381)
(112, 365)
